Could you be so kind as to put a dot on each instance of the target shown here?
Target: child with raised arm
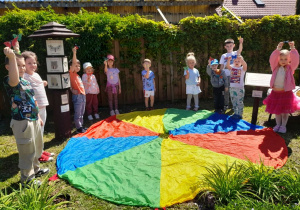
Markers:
(219, 82)
(25, 123)
(78, 93)
(113, 86)
(192, 81)
(38, 86)
(148, 84)
(237, 90)
(92, 90)
(282, 100)
(229, 46)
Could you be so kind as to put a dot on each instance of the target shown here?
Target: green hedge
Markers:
(204, 36)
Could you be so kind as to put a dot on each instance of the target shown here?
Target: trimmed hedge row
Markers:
(202, 35)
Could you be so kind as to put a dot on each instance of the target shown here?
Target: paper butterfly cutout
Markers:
(66, 79)
(77, 47)
(19, 37)
(52, 48)
(13, 42)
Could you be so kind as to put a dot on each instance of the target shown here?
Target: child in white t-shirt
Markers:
(38, 86)
(237, 90)
(229, 46)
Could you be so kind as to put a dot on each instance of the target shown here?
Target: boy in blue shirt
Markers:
(148, 84)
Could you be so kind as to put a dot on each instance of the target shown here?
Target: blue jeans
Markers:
(79, 107)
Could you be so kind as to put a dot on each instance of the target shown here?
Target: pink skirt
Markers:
(279, 102)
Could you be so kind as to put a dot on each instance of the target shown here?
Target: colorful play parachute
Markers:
(157, 158)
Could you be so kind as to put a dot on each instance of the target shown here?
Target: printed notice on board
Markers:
(64, 99)
(64, 108)
(258, 79)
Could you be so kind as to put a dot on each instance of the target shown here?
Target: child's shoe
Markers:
(45, 158)
(151, 108)
(97, 116)
(42, 172)
(195, 109)
(117, 111)
(49, 154)
(187, 108)
(282, 129)
(147, 109)
(112, 113)
(30, 183)
(276, 128)
(80, 130)
(90, 117)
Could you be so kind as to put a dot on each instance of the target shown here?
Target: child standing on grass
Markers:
(229, 46)
(25, 123)
(91, 89)
(148, 84)
(38, 86)
(78, 93)
(237, 90)
(219, 82)
(282, 100)
(113, 86)
(192, 81)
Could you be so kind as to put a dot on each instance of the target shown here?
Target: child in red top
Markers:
(78, 92)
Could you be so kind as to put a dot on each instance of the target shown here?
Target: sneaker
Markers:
(276, 128)
(195, 109)
(147, 109)
(282, 129)
(90, 117)
(31, 183)
(49, 154)
(117, 111)
(151, 108)
(80, 130)
(45, 158)
(187, 108)
(42, 172)
(97, 116)
(112, 113)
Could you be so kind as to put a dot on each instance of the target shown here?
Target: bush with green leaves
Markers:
(252, 185)
(203, 35)
(32, 197)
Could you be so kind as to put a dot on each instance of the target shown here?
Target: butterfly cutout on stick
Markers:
(13, 42)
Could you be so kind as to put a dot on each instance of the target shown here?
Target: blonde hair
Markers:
(190, 56)
(284, 52)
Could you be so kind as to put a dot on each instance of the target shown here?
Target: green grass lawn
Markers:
(9, 172)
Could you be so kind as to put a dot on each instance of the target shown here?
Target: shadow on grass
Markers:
(292, 129)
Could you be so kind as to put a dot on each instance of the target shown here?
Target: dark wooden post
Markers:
(255, 108)
(61, 103)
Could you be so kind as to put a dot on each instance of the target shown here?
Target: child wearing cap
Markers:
(219, 81)
(229, 45)
(91, 88)
(113, 86)
(148, 84)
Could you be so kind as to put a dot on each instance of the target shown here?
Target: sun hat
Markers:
(110, 57)
(87, 64)
(214, 61)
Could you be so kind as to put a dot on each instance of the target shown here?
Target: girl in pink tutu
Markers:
(282, 100)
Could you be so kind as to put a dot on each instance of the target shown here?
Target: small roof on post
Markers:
(53, 29)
